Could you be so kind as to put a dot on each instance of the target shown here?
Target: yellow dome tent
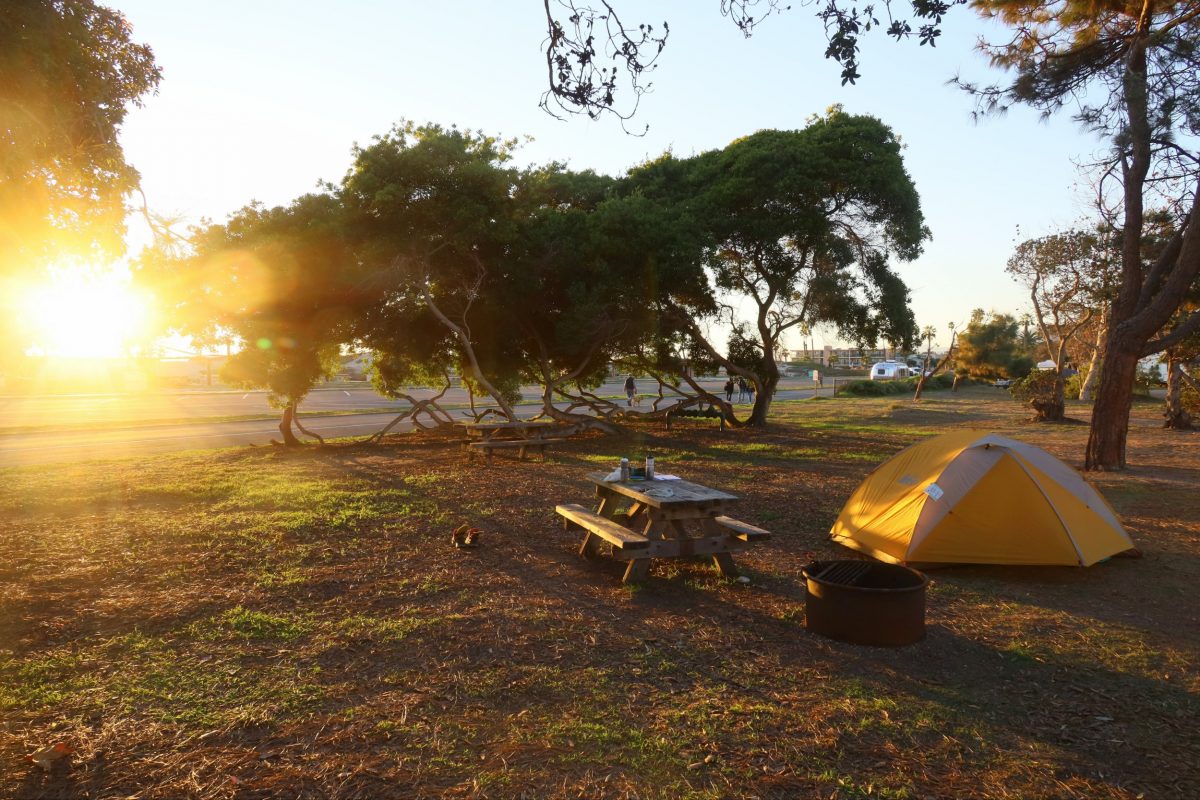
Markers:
(972, 497)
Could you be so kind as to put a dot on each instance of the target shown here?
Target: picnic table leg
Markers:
(590, 545)
(608, 505)
(639, 567)
(637, 516)
(725, 566)
(722, 561)
(607, 509)
(636, 571)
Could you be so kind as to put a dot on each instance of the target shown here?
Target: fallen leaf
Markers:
(46, 756)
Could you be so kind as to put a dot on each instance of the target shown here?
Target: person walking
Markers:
(729, 390)
(741, 383)
(630, 391)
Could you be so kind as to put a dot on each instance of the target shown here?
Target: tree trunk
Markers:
(1110, 414)
(304, 430)
(954, 387)
(1148, 296)
(1048, 410)
(1093, 370)
(1052, 409)
(1177, 416)
(927, 373)
(762, 400)
(464, 339)
(920, 385)
(285, 427)
(568, 417)
(731, 369)
(1091, 379)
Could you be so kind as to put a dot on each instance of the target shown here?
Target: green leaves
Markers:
(70, 71)
(806, 222)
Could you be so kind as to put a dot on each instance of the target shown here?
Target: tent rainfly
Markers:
(972, 497)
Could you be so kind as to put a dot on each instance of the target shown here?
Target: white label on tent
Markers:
(934, 491)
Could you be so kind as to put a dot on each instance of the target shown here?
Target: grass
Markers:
(271, 623)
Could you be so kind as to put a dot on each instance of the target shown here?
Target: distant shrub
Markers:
(864, 388)
(1037, 385)
(1074, 384)
(1021, 367)
(1191, 401)
(1148, 377)
(1038, 390)
(868, 388)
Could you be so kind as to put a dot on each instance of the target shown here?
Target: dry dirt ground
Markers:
(263, 623)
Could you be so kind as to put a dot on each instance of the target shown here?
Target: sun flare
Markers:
(78, 313)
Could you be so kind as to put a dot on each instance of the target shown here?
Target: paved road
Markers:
(43, 448)
(56, 410)
(115, 435)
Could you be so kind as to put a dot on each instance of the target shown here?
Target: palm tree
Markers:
(927, 333)
(954, 387)
(1029, 338)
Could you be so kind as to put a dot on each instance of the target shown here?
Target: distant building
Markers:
(189, 370)
(844, 357)
(355, 366)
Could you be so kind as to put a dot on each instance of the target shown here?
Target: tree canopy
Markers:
(988, 347)
(438, 256)
(69, 71)
(283, 284)
(597, 62)
(802, 224)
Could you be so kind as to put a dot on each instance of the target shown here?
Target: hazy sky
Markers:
(261, 99)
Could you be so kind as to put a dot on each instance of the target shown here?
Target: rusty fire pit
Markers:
(865, 602)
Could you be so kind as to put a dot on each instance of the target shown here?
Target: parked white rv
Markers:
(890, 370)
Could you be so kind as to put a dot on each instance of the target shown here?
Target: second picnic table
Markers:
(524, 435)
(664, 519)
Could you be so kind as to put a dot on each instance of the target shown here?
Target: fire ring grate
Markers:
(865, 602)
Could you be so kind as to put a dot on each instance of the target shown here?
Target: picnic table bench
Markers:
(522, 435)
(708, 412)
(662, 520)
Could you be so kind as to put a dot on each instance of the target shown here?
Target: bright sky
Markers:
(261, 100)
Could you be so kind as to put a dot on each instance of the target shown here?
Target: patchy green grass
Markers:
(299, 622)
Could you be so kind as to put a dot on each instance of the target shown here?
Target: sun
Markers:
(83, 313)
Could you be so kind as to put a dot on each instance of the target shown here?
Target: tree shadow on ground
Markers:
(1087, 721)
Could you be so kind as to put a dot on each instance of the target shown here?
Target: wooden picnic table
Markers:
(663, 519)
(520, 429)
(524, 435)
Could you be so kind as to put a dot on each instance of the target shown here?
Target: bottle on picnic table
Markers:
(624, 469)
(649, 468)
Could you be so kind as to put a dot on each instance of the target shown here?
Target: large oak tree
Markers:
(1130, 70)
(802, 224)
(283, 284)
(69, 71)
